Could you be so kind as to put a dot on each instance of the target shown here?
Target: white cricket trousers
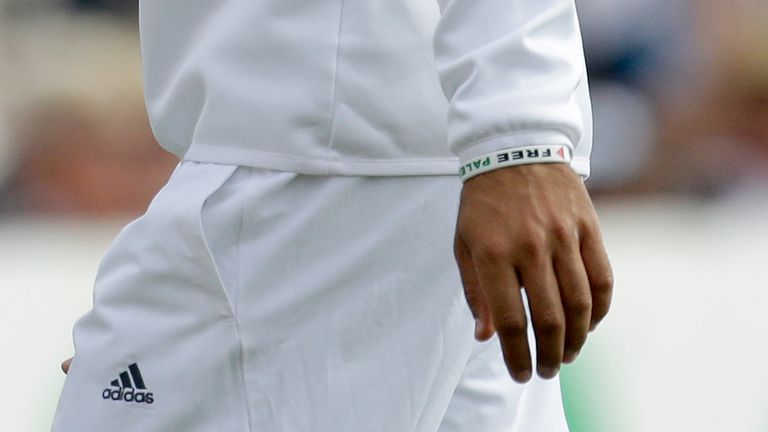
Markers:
(254, 300)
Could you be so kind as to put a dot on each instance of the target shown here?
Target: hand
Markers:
(532, 226)
(65, 365)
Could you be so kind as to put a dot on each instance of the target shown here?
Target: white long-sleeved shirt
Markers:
(363, 87)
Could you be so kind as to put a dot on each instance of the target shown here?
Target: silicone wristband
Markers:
(512, 157)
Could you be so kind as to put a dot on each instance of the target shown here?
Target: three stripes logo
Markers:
(129, 387)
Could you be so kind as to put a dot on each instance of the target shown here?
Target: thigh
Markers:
(159, 350)
(486, 399)
(350, 307)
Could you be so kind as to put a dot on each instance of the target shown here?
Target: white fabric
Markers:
(365, 87)
(255, 300)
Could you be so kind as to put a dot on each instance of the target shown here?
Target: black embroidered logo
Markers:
(129, 387)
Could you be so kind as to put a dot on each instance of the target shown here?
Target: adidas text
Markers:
(128, 395)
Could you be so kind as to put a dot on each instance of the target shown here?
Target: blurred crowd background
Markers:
(680, 98)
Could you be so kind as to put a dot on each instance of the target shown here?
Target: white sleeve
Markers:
(514, 75)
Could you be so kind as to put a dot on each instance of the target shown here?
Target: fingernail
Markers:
(482, 331)
(570, 356)
(547, 372)
(522, 377)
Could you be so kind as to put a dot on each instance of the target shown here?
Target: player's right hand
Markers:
(532, 226)
(65, 365)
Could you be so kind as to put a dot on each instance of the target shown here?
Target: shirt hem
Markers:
(343, 167)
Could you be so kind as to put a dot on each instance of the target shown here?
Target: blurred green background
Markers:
(680, 179)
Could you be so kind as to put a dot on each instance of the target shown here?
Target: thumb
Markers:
(476, 300)
(65, 365)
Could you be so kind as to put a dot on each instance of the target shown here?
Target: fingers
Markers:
(562, 285)
(65, 365)
(546, 314)
(576, 298)
(502, 291)
(599, 274)
(476, 300)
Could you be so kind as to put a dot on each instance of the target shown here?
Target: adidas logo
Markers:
(129, 387)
